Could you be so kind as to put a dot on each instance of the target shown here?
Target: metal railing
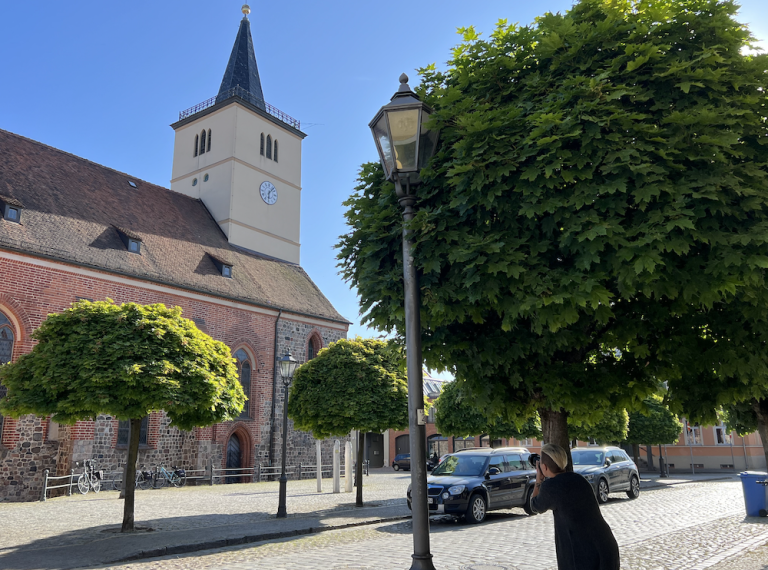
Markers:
(47, 478)
(246, 96)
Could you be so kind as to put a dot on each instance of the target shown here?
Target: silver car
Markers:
(608, 469)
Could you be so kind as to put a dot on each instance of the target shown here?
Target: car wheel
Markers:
(527, 505)
(634, 487)
(602, 492)
(476, 510)
(396, 467)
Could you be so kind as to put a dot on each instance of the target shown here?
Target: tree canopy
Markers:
(654, 424)
(457, 416)
(601, 179)
(126, 361)
(611, 428)
(353, 384)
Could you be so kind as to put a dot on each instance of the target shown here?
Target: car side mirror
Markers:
(494, 471)
(607, 462)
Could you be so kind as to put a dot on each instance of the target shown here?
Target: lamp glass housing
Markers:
(287, 367)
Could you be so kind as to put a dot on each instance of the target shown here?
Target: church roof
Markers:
(74, 210)
(242, 70)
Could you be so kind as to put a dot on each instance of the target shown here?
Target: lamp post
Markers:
(405, 146)
(287, 367)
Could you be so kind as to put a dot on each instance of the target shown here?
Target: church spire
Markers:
(241, 70)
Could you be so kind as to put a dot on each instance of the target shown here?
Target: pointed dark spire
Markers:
(241, 70)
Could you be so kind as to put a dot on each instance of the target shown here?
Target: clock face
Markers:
(268, 192)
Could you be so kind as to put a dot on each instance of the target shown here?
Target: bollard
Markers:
(71, 479)
(347, 471)
(45, 484)
(318, 449)
(336, 467)
(210, 483)
(299, 477)
(257, 473)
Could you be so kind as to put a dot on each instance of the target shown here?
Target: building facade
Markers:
(223, 244)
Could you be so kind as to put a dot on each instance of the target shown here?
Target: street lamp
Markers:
(287, 367)
(405, 146)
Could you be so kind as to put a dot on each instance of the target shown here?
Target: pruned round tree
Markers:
(601, 176)
(126, 361)
(353, 384)
(653, 424)
(457, 416)
(610, 428)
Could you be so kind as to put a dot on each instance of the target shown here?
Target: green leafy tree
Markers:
(126, 361)
(610, 428)
(457, 416)
(654, 424)
(601, 179)
(353, 384)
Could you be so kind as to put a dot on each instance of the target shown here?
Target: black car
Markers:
(403, 461)
(470, 483)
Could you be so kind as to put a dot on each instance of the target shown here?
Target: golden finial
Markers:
(246, 10)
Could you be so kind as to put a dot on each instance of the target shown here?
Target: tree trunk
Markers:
(649, 454)
(761, 409)
(130, 474)
(662, 467)
(554, 426)
(359, 468)
(636, 454)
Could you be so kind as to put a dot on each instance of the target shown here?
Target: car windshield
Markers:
(587, 457)
(461, 465)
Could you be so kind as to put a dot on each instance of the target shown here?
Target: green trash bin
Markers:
(754, 485)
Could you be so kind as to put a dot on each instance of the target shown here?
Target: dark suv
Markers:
(608, 469)
(472, 482)
(402, 461)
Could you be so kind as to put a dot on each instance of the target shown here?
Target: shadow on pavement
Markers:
(98, 545)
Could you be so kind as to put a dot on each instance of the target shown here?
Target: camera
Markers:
(534, 459)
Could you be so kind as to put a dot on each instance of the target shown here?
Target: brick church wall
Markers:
(31, 289)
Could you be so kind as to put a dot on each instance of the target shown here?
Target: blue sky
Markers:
(104, 80)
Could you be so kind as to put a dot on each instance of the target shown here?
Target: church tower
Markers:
(242, 157)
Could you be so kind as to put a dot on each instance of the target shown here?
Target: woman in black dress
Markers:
(583, 540)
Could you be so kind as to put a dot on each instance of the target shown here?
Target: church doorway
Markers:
(234, 457)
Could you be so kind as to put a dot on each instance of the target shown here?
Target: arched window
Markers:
(197, 143)
(202, 142)
(261, 146)
(209, 140)
(244, 372)
(275, 150)
(6, 351)
(312, 348)
(269, 146)
(124, 431)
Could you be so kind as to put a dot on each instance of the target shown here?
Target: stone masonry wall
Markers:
(34, 289)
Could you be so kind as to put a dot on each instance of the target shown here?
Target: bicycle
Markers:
(90, 478)
(177, 477)
(143, 480)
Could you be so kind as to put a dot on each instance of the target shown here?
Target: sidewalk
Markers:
(653, 481)
(83, 530)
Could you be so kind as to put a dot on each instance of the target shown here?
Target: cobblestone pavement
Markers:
(82, 518)
(684, 527)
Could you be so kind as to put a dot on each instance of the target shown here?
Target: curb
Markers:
(222, 543)
(687, 482)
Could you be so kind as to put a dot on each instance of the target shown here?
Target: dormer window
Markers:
(131, 240)
(224, 266)
(10, 209)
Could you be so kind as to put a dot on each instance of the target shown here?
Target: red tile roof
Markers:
(73, 207)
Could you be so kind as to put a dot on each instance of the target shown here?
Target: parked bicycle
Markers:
(90, 478)
(177, 477)
(143, 480)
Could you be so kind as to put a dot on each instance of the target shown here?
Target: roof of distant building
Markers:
(73, 209)
(432, 386)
